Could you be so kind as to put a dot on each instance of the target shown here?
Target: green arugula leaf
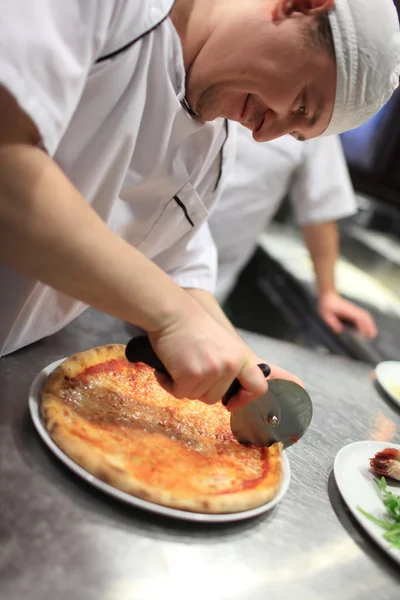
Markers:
(392, 521)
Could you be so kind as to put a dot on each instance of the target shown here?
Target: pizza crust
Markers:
(98, 449)
(75, 364)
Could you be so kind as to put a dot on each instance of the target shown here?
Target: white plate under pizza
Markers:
(171, 457)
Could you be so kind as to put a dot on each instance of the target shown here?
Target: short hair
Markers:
(320, 35)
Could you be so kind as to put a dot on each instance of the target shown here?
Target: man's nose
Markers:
(273, 128)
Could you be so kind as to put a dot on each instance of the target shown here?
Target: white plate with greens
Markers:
(359, 490)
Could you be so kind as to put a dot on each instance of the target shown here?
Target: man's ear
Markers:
(283, 9)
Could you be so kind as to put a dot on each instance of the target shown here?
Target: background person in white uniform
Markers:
(315, 176)
(106, 181)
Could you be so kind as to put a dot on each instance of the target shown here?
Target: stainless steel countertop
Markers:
(61, 539)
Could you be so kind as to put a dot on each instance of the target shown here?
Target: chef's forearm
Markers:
(49, 232)
(322, 241)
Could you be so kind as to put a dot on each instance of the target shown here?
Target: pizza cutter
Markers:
(282, 414)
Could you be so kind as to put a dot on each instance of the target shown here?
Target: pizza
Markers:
(114, 419)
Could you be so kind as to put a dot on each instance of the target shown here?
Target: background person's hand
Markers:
(334, 309)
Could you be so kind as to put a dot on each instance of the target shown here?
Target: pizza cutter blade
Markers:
(283, 414)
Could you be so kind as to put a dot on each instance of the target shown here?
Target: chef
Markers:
(314, 174)
(113, 152)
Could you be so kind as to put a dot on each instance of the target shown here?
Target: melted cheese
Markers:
(183, 446)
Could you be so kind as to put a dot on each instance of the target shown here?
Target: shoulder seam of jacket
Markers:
(129, 44)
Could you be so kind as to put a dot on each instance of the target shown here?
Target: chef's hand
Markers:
(333, 309)
(203, 358)
(276, 373)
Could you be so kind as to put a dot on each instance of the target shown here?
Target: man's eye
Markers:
(302, 110)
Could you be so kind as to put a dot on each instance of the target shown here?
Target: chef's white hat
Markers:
(367, 47)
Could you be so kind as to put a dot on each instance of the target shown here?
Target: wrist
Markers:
(175, 305)
(327, 293)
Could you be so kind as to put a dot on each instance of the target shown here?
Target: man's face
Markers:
(265, 75)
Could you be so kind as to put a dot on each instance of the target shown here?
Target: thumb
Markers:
(242, 398)
(253, 384)
(252, 380)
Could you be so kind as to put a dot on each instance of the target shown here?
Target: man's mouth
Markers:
(251, 116)
(259, 124)
(244, 108)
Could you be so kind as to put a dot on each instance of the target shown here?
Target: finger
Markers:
(203, 391)
(242, 398)
(373, 331)
(252, 379)
(333, 322)
(279, 373)
(369, 326)
(214, 394)
(361, 319)
(170, 386)
(364, 323)
(253, 385)
(191, 387)
(208, 377)
(210, 392)
(361, 325)
(164, 381)
(208, 385)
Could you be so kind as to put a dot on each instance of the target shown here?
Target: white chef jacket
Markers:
(103, 81)
(314, 174)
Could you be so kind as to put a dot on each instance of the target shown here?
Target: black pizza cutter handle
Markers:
(139, 349)
(235, 386)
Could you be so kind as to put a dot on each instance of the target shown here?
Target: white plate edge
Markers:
(380, 381)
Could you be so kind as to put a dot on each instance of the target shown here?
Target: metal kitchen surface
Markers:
(60, 538)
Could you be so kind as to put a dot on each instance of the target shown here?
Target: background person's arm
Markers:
(321, 194)
(322, 240)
